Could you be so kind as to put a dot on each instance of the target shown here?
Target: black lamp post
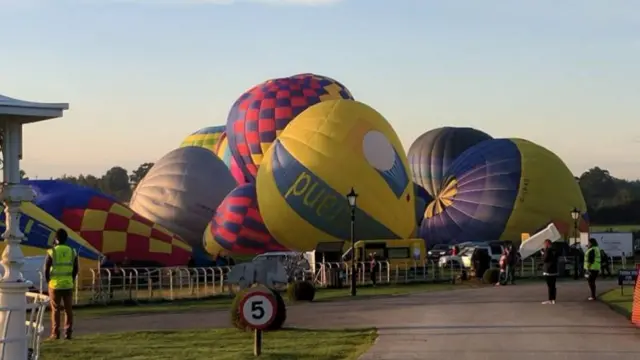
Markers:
(352, 197)
(575, 215)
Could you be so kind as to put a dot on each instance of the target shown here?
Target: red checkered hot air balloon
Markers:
(260, 114)
(109, 226)
(237, 227)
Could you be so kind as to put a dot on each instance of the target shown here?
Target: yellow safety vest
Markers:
(596, 262)
(62, 259)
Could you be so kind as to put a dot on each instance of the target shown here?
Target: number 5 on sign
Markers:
(258, 309)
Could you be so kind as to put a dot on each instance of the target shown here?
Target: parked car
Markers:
(438, 251)
(464, 258)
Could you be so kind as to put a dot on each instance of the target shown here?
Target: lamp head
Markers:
(352, 196)
(575, 214)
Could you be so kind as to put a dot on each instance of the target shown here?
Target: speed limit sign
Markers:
(258, 308)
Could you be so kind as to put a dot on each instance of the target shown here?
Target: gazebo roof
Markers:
(27, 111)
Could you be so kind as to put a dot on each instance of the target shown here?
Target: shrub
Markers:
(491, 276)
(281, 315)
(239, 323)
(301, 291)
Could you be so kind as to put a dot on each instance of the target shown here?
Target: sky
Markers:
(142, 75)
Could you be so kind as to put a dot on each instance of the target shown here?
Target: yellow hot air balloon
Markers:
(324, 152)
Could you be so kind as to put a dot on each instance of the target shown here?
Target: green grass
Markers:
(219, 344)
(223, 302)
(619, 228)
(618, 302)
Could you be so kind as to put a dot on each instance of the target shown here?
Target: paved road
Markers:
(488, 323)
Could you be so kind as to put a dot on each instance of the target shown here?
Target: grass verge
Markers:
(219, 344)
(622, 304)
(224, 301)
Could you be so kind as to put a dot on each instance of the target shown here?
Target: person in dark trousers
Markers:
(61, 270)
(606, 263)
(476, 263)
(592, 266)
(373, 268)
(512, 262)
(550, 270)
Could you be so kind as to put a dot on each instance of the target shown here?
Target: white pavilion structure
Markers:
(15, 340)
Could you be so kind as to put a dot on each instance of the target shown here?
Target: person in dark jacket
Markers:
(606, 264)
(550, 270)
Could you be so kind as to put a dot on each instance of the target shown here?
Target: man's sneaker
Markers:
(548, 302)
(591, 298)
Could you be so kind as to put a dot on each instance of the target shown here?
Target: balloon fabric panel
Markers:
(238, 226)
(548, 193)
(40, 229)
(433, 152)
(477, 196)
(259, 115)
(207, 138)
(224, 153)
(120, 233)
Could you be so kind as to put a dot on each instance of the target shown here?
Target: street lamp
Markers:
(352, 197)
(575, 215)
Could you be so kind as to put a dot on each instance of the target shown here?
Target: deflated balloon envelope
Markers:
(498, 190)
(182, 191)
(324, 152)
(109, 226)
(260, 114)
(237, 227)
(433, 152)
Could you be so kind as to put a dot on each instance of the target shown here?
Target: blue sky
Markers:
(141, 75)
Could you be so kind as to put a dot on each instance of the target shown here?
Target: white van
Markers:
(33, 271)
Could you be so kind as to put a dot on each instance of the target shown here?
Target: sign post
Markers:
(258, 308)
(627, 277)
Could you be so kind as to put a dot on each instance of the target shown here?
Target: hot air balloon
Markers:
(207, 138)
(324, 152)
(422, 200)
(109, 226)
(224, 153)
(432, 153)
(260, 114)
(499, 189)
(182, 191)
(40, 229)
(237, 227)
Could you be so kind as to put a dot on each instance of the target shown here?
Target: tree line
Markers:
(610, 200)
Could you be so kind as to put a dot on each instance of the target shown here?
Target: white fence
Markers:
(36, 305)
(106, 286)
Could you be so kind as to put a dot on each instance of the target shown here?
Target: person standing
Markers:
(550, 270)
(373, 268)
(592, 266)
(512, 262)
(61, 270)
(605, 260)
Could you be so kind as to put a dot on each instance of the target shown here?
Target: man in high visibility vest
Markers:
(592, 266)
(61, 269)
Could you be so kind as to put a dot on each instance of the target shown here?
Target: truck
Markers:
(615, 244)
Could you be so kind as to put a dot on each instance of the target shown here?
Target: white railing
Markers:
(36, 306)
(133, 285)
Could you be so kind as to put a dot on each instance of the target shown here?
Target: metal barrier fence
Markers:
(32, 333)
(106, 286)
